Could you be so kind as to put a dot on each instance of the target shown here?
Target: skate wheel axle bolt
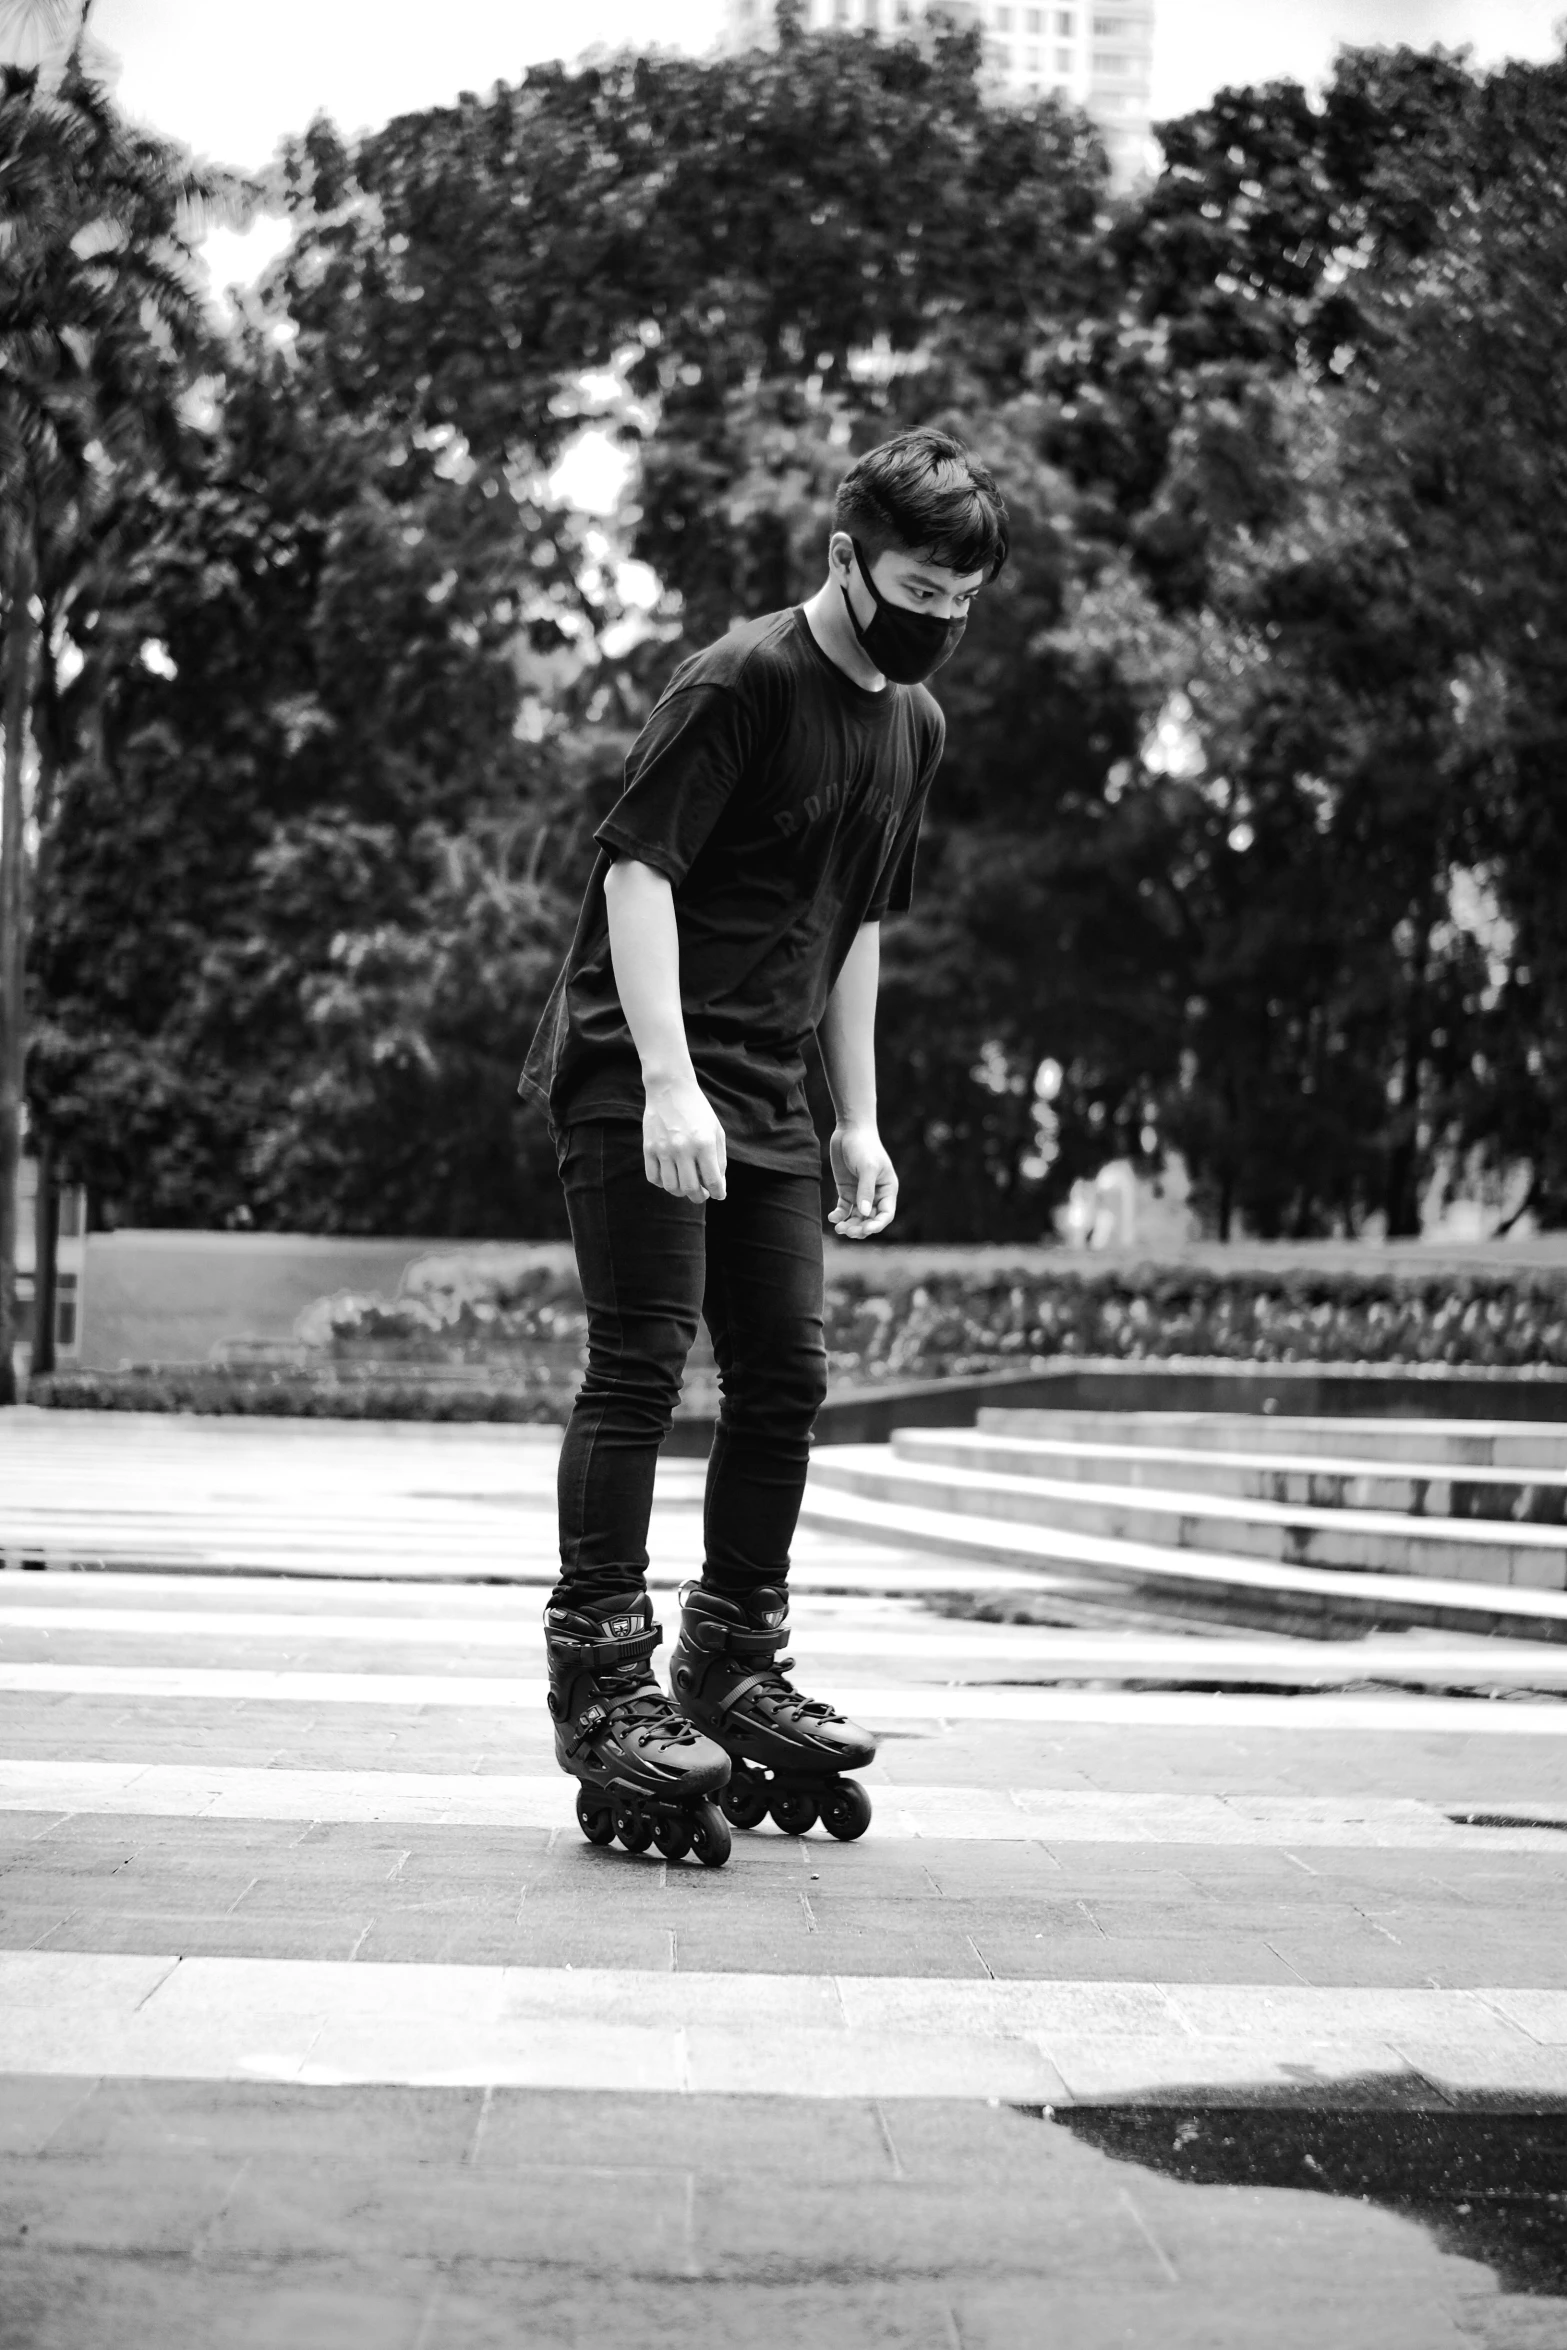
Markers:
(635, 1832)
(596, 1820)
(744, 1800)
(846, 1810)
(710, 1837)
(673, 1837)
(794, 1809)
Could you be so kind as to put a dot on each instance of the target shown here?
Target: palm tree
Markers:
(39, 33)
(44, 35)
(101, 319)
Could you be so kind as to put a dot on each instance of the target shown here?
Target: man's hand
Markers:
(683, 1145)
(867, 1186)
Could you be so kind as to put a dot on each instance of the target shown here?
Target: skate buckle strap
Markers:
(592, 1718)
(716, 1639)
(602, 1656)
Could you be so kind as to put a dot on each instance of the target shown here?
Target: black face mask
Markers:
(904, 646)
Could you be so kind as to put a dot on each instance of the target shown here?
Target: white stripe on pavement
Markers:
(224, 1595)
(954, 1814)
(931, 1641)
(883, 1702)
(933, 1637)
(868, 1567)
(338, 2024)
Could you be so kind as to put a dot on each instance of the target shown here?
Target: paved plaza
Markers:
(1187, 1990)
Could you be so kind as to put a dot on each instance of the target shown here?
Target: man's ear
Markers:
(840, 551)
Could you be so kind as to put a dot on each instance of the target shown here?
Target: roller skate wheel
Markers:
(594, 1818)
(794, 1809)
(846, 1810)
(635, 1832)
(744, 1801)
(710, 1837)
(673, 1837)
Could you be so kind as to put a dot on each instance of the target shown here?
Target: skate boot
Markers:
(647, 1776)
(727, 1677)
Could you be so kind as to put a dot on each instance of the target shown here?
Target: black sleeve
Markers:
(894, 891)
(680, 772)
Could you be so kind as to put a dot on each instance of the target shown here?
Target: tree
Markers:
(98, 311)
(1247, 817)
(323, 673)
(715, 233)
(383, 720)
(1322, 415)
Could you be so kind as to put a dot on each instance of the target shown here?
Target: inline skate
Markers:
(647, 1776)
(789, 1751)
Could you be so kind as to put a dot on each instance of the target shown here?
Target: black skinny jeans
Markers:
(751, 1265)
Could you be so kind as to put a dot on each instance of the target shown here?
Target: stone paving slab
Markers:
(200, 1885)
(407, 2305)
(874, 1703)
(957, 1651)
(429, 2216)
(752, 2030)
(1463, 1771)
(266, 1804)
(779, 2177)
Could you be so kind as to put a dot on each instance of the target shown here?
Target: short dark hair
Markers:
(923, 492)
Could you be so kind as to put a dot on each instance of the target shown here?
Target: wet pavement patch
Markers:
(1490, 2187)
(1504, 1819)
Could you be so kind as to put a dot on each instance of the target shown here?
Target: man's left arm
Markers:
(867, 1186)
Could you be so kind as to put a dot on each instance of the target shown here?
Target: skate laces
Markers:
(772, 1681)
(791, 1701)
(629, 1694)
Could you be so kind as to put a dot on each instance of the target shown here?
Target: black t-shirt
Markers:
(784, 803)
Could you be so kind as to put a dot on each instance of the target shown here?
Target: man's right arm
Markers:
(683, 1145)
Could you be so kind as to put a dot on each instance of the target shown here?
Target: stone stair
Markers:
(1468, 1443)
(1459, 1524)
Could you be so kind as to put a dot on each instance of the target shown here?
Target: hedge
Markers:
(961, 1322)
(474, 1344)
(949, 1325)
(304, 1393)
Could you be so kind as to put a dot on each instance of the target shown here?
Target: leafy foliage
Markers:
(1251, 816)
(99, 325)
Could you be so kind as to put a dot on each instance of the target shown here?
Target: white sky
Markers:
(230, 81)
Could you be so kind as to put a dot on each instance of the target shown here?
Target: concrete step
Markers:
(1367, 1541)
(1206, 1585)
(1429, 1489)
(1481, 1444)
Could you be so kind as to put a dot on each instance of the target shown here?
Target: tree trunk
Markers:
(1226, 1201)
(13, 942)
(46, 1260)
(1401, 1182)
(46, 1216)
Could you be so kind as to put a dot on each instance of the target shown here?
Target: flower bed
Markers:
(949, 1325)
(459, 1312)
(467, 1343)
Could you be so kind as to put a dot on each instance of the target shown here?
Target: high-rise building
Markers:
(1097, 57)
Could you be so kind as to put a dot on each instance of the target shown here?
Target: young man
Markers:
(769, 821)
